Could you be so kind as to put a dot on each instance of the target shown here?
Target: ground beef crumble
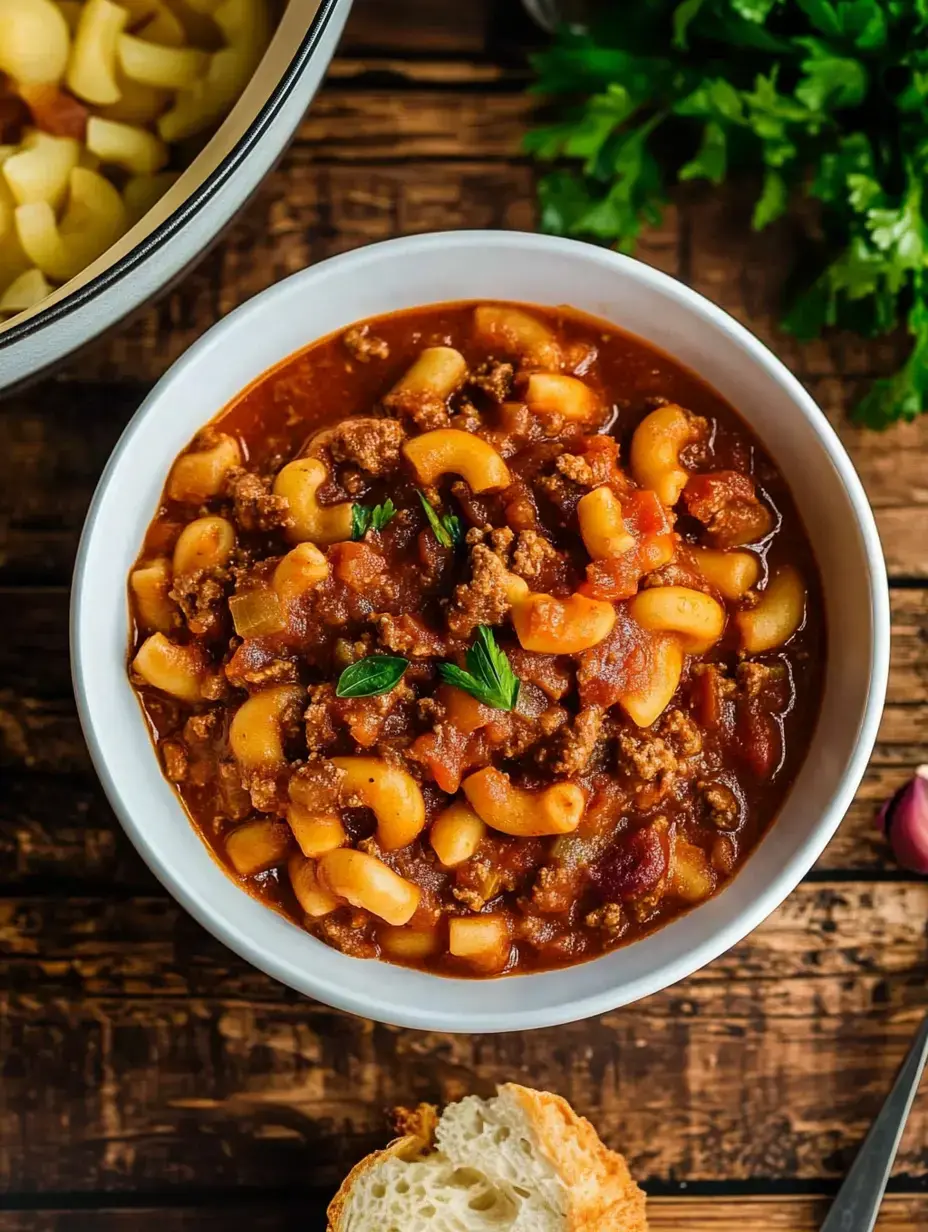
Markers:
(576, 469)
(494, 378)
(278, 671)
(316, 785)
(318, 718)
(610, 917)
(575, 743)
(200, 596)
(407, 635)
(722, 806)
(372, 444)
(201, 728)
(533, 554)
(256, 508)
(364, 345)
(556, 887)
(176, 762)
(482, 600)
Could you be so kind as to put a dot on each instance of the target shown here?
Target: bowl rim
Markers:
(377, 1005)
(191, 205)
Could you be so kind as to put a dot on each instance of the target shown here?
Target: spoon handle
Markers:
(857, 1205)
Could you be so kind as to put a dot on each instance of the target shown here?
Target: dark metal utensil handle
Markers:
(858, 1202)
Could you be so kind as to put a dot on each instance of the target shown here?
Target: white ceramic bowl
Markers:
(536, 269)
(182, 225)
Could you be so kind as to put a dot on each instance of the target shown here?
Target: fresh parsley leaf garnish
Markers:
(367, 517)
(824, 98)
(371, 676)
(489, 677)
(447, 528)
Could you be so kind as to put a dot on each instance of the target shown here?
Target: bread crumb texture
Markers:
(521, 1162)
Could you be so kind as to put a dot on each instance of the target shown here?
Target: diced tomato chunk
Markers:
(55, 111)
(645, 515)
(634, 865)
(359, 566)
(759, 740)
(621, 663)
(463, 710)
(612, 579)
(650, 523)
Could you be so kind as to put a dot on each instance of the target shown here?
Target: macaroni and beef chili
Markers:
(479, 638)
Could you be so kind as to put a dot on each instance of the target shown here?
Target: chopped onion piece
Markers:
(256, 612)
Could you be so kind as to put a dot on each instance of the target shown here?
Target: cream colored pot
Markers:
(194, 211)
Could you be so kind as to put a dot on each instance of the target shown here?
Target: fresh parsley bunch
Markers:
(824, 97)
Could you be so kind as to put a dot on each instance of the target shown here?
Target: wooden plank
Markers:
(363, 124)
(900, 1213)
(419, 26)
(271, 1216)
(171, 1094)
(831, 948)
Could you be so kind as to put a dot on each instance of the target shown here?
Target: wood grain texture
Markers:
(172, 1094)
(900, 1213)
(151, 1079)
(832, 947)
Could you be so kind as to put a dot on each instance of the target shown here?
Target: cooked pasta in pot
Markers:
(95, 97)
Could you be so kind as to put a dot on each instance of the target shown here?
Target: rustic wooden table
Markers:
(149, 1079)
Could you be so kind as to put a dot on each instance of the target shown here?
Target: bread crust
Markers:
(417, 1138)
(603, 1197)
(602, 1194)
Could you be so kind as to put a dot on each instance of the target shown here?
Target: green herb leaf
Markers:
(360, 521)
(829, 80)
(371, 676)
(489, 676)
(772, 201)
(711, 158)
(754, 10)
(447, 528)
(366, 517)
(830, 94)
(683, 14)
(382, 514)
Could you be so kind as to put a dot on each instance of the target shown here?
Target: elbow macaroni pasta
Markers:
(513, 810)
(256, 734)
(517, 333)
(696, 618)
(778, 614)
(602, 526)
(561, 626)
(366, 882)
(204, 543)
(551, 393)
(34, 41)
(299, 481)
(655, 451)
(110, 86)
(449, 451)
(391, 794)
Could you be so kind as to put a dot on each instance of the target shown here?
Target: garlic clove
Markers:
(904, 821)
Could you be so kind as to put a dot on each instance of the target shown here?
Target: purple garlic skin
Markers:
(904, 821)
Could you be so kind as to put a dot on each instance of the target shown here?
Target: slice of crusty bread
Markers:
(522, 1162)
